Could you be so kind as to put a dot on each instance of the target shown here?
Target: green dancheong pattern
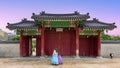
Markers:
(87, 32)
(29, 32)
(59, 24)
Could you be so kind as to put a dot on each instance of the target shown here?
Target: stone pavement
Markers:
(64, 58)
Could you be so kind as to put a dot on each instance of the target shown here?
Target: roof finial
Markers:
(113, 22)
(94, 19)
(87, 13)
(8, 23)
(33, 14)
(25, 19)
(76, 12)
(43, 12)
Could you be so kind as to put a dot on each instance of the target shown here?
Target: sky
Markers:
(14, 11)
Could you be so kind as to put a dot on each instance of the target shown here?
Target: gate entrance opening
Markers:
(33, 46)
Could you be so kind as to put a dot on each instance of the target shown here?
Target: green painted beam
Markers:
(29, 32)
(59, 24)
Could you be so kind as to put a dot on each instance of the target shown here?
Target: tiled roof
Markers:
(96, 24)
(71, 16)
(24, 24)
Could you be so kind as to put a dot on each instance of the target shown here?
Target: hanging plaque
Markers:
(59, 29)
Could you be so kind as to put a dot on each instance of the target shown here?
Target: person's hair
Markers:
(58, 51)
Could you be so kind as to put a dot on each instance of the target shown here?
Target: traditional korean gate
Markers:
(61, 40)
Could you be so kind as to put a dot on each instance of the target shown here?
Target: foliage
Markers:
(17, 37)
(33, 45)
(116, 37)
(108, 37)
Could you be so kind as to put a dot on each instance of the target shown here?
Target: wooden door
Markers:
(59, 40)
(38, 45)
(84, 47)
(65, 43)
(25, 46)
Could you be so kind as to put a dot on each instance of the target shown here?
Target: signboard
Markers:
(59, 29)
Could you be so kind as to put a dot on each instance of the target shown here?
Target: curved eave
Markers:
(95, 24)
(99, 27)
(22, 25)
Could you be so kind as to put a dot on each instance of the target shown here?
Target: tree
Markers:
(116, 37)
(108, 37)
(17, 37)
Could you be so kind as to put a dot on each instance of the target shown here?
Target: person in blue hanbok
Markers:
(54, 59)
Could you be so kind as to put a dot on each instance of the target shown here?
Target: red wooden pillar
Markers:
(98, 45)
(77, 41)
(42, 41)
(21, 44)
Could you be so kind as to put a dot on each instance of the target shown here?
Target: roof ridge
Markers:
(75, 13)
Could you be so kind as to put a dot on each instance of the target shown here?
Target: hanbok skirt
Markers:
(60, 59)
(54, 59)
